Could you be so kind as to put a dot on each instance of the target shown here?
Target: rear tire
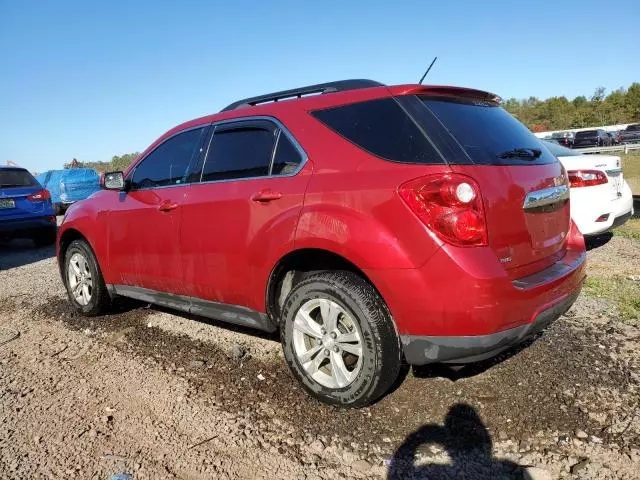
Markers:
(45, 237)
(83, 279)
(339, 339)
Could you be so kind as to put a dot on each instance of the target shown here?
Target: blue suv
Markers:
(26, 210)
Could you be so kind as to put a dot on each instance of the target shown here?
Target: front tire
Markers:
(82, 276)
(339, 339)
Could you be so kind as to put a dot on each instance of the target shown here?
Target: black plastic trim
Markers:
(235, 314)
(421, 350)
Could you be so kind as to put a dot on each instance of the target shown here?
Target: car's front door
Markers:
(243, 213)
(144, 223)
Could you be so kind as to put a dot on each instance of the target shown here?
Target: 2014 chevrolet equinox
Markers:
(370, 224)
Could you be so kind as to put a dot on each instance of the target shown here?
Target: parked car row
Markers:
(596, 137)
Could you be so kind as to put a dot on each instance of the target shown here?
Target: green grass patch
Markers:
(631, 169)
(631, 229)
(623, 292)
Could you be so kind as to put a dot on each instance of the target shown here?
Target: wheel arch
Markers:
(295, 266)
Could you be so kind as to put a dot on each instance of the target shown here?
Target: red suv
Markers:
(369, 224)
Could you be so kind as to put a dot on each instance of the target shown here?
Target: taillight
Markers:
(450, 206)
(40, 196)
(586, 178)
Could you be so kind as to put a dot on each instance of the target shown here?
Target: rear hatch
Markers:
(513, 171)
(15, 187)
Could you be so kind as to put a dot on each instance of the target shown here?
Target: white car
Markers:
(600, 197)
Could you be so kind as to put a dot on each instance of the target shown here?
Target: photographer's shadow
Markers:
(467, 441)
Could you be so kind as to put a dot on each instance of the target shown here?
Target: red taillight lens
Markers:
(450, 206)
(40, 196)
(586, 178)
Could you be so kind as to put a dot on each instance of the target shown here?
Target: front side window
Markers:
(168, 163)
(244, 150)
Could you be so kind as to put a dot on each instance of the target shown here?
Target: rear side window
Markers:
(287, 158)
(486, 132)
(16, 178)
(240, 151)
(168, 163)
(382, 128)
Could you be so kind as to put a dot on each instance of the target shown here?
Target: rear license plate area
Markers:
(7, 203)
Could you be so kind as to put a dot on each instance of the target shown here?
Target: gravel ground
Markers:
(156, 394)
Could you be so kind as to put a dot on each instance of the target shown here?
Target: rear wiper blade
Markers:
(526, 153)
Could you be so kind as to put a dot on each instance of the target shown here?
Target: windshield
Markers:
(16, 178)
(559, 150)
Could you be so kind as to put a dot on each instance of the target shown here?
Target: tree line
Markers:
(558, 113)
(117, 163)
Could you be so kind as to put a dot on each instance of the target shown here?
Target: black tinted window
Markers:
(382, 128)
(587, 133)
(239, 152)
(168, 163)
(16, 178)
(287, 157)
(486, 132)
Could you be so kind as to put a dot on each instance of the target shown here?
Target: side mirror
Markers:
(113, 181)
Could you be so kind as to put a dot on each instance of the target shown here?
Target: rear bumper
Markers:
(420, 350)
(463, 303)
(618, 211)
(26, 226)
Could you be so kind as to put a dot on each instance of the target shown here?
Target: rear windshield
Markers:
(633, 127)
(487, 133)
(559, 135)
(587, 133)
(560, 151)
(16, 178)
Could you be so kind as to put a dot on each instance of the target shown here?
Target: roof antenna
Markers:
(425, 73)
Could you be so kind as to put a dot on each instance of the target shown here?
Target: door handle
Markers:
(167, 206)
(267, 195)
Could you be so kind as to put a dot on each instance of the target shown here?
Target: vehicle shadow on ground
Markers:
(598, 241)
(466, 440)
(16, 253)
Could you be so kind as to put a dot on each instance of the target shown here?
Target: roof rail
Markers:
(320, 88)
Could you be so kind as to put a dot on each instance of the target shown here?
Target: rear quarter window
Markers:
(382, 128)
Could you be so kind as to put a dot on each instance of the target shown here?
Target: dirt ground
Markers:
(147, 393)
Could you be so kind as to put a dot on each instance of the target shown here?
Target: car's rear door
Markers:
(144, 222)
(243, 213)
